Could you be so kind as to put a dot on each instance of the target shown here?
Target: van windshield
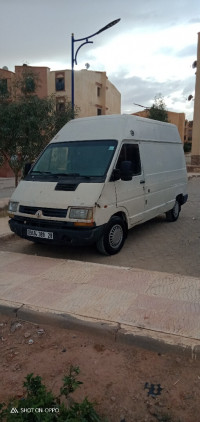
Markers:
(86, 159)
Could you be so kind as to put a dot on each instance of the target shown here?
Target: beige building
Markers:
(40, 74)
(188, 131)
(94, 94)
(195, 157)
(177, 119)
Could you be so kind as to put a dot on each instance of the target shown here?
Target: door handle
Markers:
(142, 182)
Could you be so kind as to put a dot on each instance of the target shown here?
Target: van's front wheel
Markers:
(113, 237)
(173, 214)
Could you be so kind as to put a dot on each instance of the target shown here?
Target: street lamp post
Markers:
(74, 56)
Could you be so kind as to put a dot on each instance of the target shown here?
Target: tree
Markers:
(61, 117)
(28, 124)
(158, 110)
(25, 128)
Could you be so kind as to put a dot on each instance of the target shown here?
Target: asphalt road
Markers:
(156, 245)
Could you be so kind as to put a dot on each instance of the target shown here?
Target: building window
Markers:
(29, 84)
(60, 104)
(3, 87)
(98, 91)
(99, 112)
(60, 83)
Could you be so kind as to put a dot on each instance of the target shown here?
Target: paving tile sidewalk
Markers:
(153, 309)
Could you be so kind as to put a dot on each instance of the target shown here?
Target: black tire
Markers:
(113, 237)
(173, 214)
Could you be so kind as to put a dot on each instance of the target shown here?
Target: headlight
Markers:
(12, 207)
(81, 213)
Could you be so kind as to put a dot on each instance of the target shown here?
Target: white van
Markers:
(98, 178)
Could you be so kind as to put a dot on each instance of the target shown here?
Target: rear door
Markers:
(131, 194)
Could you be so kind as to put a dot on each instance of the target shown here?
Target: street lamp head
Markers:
(108, 26)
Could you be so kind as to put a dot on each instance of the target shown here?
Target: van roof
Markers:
(118, 127)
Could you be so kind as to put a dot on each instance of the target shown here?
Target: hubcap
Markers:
(116, 236)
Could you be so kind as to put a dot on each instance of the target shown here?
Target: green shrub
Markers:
(39, 405)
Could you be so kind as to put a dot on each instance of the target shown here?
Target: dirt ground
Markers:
(116, 376)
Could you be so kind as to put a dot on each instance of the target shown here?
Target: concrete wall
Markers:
(113, 99)
(41, 74)
(178, 119)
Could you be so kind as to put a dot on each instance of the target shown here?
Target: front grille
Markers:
(43, 224)
(47, 212)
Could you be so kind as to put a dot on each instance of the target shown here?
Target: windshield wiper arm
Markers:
(84, 176)
(66, 174)
(40, 172)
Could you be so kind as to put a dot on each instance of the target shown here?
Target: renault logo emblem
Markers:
(38, 213)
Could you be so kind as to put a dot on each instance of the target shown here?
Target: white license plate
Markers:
(40, 234)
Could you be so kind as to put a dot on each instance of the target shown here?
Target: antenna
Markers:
(139, 105)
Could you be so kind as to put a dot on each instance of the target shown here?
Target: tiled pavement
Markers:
(158, 309)
(155, 309)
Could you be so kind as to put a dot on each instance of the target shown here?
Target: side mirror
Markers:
(126, 170)
(116, 175)
(27, 168)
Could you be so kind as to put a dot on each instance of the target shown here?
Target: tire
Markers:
(113, 237)
(173, 214)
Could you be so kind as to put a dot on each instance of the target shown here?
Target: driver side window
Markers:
(130, 152)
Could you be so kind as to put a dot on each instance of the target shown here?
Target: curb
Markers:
(118, 333)
(192, 176)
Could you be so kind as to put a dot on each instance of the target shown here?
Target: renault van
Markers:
(98, 178)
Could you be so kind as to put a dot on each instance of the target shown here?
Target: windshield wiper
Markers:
(60, 175)
(71, 175)
(66, 174)
(40, 172)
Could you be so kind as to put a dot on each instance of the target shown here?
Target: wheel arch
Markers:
(180, 199)
(123, 216)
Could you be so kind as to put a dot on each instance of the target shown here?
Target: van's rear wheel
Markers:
(173, 214)
(113, 237)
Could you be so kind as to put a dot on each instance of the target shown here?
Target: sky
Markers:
(150, 52)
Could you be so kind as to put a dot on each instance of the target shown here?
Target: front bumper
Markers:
(63, 233)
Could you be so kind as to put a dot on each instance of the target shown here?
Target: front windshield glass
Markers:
(78, 158)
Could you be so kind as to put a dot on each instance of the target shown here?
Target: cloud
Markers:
(194, 20)
(149, 51)
(189, 50)
(143, 91)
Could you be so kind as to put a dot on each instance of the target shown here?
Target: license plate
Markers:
(40, 234)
